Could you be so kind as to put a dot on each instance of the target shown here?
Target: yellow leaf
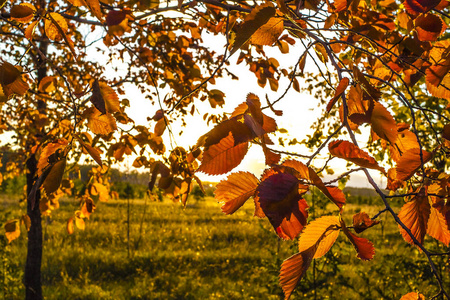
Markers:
(98, 189)
(12, 230)
(94, 7)
(321, 233)
(55, 26)
(79, 222)
(69, 227)
(98, 123)
(110, 97)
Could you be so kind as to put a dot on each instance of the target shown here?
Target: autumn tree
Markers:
(379, 69)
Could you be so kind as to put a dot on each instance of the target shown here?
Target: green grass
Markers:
(200, 253)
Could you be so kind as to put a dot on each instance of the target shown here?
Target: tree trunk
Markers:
(32, 279)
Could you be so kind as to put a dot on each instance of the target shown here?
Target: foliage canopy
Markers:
(379, 65)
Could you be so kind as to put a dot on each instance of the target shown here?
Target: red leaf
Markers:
(364, 247)
(235, 190)
(415, 7)
(415, 214)
(280, 199)
(350, 152)
(223, 157)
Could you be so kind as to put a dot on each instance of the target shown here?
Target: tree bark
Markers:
(32, 278)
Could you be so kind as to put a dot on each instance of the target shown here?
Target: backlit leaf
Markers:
(99, 123)
(415, 214)
(415, 7)
(55, 26)
(23, 13)
(49, 149)
(350, 152)
(363, 247)
(410, 162)
(279, 198)
(362, 221)
(79, 222)
(100, 190)
(25, 220)
(383, 124)
(268, 33)
(54, 178)
(97, 98)
(429, 27)
(93, 152)
(293, 269)
(257, 18)
(343, 84)
(47, 84)
(235, 190)
(12, 230)
(70, 227)
(437, 226)
(94, 7)
(322, 233)
(223, 157)
(413, 296)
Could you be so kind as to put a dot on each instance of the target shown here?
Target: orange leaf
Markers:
(235, 190)
(268, 33)
(12, 230)
(23, 13)
(93, 152)
(98, 123)
(383, 124)
(438, 227)
(406, 140)
(47, 84)
(413, 296)
(259, 16)
(293, 224)
(321, 233)
(439, 55)
(350, 152)
(410, 162)
(293, 269)
(362, 221)
(343, 84)
(429, 27)
(223, 157)
(415, 214)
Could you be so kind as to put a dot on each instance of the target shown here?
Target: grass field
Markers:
(200, 253)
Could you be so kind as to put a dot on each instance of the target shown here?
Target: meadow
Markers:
(200, 253)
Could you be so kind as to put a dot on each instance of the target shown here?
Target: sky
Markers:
(300, 110)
